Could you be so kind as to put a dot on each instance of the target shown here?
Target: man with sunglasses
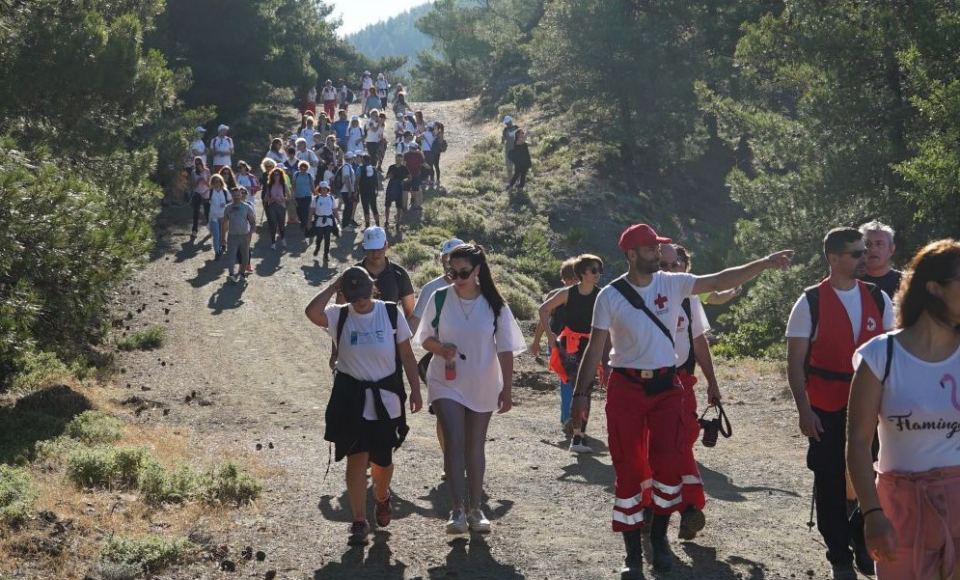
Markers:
(827, 324)
(655, 468)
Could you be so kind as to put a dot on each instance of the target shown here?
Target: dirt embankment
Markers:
(247, 372)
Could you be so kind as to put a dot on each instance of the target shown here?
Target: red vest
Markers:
(832, 348)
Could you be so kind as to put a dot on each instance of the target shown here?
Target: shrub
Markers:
(110, 467)
(150, 553)
(54, 450)
(521, 304)
(36, 370)
(226, 483)
(160, 486)
(16, 495)
(93, 427)
(146, 339)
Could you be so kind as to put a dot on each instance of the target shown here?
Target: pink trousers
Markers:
(924, 509)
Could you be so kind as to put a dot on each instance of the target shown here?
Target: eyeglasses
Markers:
(855, 254)
(462, 274)
(670, 265)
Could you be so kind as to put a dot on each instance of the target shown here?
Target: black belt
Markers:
(830, 375)
(644, 374)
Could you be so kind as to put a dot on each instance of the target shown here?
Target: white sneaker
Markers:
(478, 522)
(457, 524)
(577, 445)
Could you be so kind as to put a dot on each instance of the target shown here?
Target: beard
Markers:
(647, 266)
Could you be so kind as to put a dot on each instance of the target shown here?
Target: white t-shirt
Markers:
(799, 323)
(198, 149)
(354, 138)
(279, 156)
(221, 150)
(373, 132)
(218, 202)
(700, 326)
(329, 93)
(367, 352)
(323, 208)
(426, 292)
(479, 378)
(347, 175)
(366, 83)
(637, 341)
(426, 141)
(919, 422)
(307, 133)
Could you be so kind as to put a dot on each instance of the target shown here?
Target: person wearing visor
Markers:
(656, 474)
(365, 417)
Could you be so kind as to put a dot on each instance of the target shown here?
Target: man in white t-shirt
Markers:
(198, 148)
(222, 146)
(654, 467)
(827, 324)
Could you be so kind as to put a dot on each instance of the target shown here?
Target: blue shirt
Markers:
(341, 126)
(302, 184)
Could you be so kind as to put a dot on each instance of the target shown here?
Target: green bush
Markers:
(54, 451)
(146, 339)
(36, 370)
(151, 553)
(109, 467)
(16, 495)
(93, 427)
(160, 486)
(226, 483)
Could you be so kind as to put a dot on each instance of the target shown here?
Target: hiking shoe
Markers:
(844, 571)
(662, 554)
(457, 524)
(358, 533)
(691, 521)
(477, 522)
(577, 445)
(384, 512)
(633, 562)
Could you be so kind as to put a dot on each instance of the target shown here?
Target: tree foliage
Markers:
(396, 36)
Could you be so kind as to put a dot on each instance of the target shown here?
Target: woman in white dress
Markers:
(473, 339)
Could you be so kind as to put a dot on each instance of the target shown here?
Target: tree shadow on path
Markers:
(377, 563)
(720, 486)
(472, 559)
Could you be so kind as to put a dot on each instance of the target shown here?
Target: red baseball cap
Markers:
(640, 235)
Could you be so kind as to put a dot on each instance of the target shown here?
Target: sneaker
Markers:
(249, 268)
(691, 521)
(457, 524)
(477, 522)
(384, 512)
(577, 445)
(358, 534)
(844, 571)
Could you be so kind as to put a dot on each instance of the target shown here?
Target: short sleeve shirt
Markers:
(393, 282)
(800, 324)
(699, 325)
(638, 343)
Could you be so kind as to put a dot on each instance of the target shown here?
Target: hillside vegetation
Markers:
(736, 127)
(395, 36)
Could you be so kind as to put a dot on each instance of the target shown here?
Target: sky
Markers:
(359, 13)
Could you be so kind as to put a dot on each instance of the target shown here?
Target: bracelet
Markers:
(870, 511)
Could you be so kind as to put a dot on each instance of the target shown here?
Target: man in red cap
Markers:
(656, 472)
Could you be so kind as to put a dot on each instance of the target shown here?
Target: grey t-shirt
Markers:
(238, 220)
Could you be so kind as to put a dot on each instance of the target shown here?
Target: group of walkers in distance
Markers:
(873, 354)
(318, 176)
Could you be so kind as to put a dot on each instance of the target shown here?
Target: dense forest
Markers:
(98, 100)
(396, 36)
(798, 115)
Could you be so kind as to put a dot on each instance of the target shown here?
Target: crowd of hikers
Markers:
(873, 354)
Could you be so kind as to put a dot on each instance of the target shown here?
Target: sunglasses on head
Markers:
(462, 274)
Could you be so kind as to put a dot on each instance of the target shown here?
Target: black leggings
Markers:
(369, 201)
(323, 236)
(277, 219)
(197, 202)
(303, 213)
(519, 176)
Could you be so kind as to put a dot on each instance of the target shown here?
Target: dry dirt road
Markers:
(259, 371)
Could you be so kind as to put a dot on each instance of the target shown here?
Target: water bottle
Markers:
(450, 368)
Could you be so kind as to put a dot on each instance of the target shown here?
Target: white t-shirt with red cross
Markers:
(637, 341)
(701, 325)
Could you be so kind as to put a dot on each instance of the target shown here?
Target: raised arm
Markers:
(315, 309)
(738, 275)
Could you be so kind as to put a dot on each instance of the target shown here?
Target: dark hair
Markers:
(228, 177)
(292, 150)
(836, 240)
(582, 261)
(279, 174)
(477, 257)
(683, 255)
(936, 262)
(276, 141)
(203, 165)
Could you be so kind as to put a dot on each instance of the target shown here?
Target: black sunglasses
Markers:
(594, 270)
(462, 274)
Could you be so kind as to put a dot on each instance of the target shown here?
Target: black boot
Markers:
(860, 554)
(662, 555)
(633, 563)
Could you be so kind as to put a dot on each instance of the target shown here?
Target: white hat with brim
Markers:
(507, 120)
(324, 185)
(449, 245)
(200, 130)
(223, 128)
(374, 238)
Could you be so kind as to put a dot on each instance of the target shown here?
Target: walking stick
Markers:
(813, 503)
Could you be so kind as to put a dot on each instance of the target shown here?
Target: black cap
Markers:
(356, 283)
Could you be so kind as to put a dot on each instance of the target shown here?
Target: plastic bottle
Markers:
(450, 368)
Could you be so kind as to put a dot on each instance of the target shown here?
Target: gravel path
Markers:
(260, 375)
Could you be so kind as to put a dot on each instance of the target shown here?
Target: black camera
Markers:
(713, 428)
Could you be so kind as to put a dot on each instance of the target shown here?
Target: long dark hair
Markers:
(937, 262)
(477, 257)
(228, 177)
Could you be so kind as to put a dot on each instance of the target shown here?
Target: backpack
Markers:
(337, 184)
(441, 145)
(690, 364)
(439, 297)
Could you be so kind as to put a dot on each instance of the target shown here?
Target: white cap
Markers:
(324, 185)
(449, 245)
(201, 130)
(223, 128)
(349, 155)
(374, 238)
(301, 140)
(507, 120)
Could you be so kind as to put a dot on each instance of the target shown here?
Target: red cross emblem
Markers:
(661, 301)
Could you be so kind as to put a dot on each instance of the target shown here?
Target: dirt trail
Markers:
(260, 375)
